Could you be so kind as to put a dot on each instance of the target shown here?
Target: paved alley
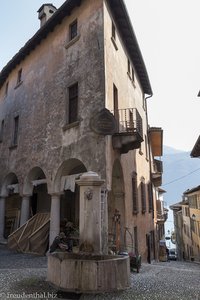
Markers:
(23, 276)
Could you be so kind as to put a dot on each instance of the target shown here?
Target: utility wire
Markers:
(181, 177)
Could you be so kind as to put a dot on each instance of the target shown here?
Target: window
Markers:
(113, 36)
(143, 195)
(73, 30)
(73, 103)
(15, 132)
(133, 74)
(113, 31)
(115, 104)
(150, 196)
(6, 89)
(2, 131)
(19, 77)
(134, 193)
(129, 66)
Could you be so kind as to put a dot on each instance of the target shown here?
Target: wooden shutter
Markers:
(134, 193)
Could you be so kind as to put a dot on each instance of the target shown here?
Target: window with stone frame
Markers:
(134, 193)
(143, 195)
(73, 30)
(15, 131)
(73, 103)
(2, 131)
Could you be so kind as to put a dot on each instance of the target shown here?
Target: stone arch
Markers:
(10, 179)
(65, 185)
(35, 173)
(71, 166)
(10, 205)
(35, 186)
(116, 206)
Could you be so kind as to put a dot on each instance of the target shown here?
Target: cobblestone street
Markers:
(23, 276)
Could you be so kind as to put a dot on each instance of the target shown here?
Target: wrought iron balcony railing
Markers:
(129, 120)
(129, 133)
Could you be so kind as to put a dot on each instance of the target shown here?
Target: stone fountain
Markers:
(90, 270)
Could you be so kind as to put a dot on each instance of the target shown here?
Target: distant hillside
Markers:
(180, 173)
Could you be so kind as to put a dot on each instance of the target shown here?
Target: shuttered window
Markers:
(134, 193)
(150, 196)
(143, 195)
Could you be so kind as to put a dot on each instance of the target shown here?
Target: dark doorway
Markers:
(34, 200)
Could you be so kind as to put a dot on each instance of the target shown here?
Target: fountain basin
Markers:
(88, 273)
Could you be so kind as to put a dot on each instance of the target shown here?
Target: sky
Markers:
(167, 32)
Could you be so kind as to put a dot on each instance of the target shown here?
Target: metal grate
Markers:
(129, 120)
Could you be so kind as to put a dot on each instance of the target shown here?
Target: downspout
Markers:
(150, 169)
(145, 100)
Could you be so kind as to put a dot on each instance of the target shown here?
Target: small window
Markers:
(113, 31)
(19, 76)
(133, 75)
(129, 66)
(6, 89)
(2, 131)
(73, 103)
(73, 30)
(15, 132)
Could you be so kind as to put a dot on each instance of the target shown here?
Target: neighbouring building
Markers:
(178, 229)
(72, 100)
(187, 225)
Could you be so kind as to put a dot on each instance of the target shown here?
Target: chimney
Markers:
(45, 12)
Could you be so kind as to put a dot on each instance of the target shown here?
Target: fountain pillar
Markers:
(90, 213)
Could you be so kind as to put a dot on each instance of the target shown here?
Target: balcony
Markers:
(157, 172)
(129, 130)
(162, 213)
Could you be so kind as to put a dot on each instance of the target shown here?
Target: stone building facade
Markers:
(72, 100)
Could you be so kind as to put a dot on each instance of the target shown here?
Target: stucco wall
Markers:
(130, 95)
(40, 101)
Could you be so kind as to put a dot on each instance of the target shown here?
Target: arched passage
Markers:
(35, 185)
(116, 207)
(12, 205)
(65, 184)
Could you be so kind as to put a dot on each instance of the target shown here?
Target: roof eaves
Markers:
(128, 35)
(196, 149)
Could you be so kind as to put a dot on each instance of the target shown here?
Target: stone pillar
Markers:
(25, 209)
(54, 217)
(90, 213)
(2, 217)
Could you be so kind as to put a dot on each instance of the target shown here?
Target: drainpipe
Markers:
(145, 99)
(155, 235)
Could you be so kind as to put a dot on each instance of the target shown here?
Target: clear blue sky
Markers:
(168, 35)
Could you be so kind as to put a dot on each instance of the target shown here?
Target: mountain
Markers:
(180, 172)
